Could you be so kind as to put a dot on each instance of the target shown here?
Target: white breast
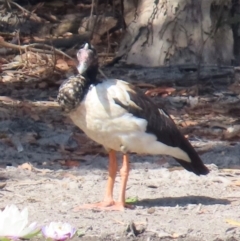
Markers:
(112, 126)
(104, 121)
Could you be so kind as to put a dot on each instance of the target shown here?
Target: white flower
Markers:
(58, 231)
(14, 224)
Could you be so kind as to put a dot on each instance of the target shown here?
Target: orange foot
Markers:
(108, 206)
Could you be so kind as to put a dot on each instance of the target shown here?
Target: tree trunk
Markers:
(170, 32)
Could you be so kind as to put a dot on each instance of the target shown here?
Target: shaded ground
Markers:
(66, 169)
(171, 203)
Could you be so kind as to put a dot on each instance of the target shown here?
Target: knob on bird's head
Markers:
(87, 57)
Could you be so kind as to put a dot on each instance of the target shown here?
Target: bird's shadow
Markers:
(182, 201)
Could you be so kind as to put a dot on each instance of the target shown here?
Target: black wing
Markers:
(163, 127)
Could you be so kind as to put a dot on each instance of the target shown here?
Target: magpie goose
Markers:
(119, 116)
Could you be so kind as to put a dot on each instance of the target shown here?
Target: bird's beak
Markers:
(82, 67)
(86, 46)
(84, 59)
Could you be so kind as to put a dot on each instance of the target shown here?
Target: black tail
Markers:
(160, 124)
(196, 165)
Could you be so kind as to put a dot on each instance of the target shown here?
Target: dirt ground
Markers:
(172, 204)
(66, 169)
(49, 166)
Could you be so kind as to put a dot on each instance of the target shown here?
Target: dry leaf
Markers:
(231, 132)
(67, 34)
(235, 88)
(55, 4)
(4, 113)
(42, 85)
(34, 116)
(6, 99)
(188, 123)
(233, 222)
(193, 101)
(176, 235)
(151, 210)
(202, 211)
(145, 85)
(172, 169)
(16, 142)
(70, 163)
(2, 185)
(227, 170)
(70, 176)
(62, 65)
(235, 183)
(30, 137)
(161, 161)
(160, 91)
(26, 166)
(51, 98)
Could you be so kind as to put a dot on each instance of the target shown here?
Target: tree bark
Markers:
(174, 32)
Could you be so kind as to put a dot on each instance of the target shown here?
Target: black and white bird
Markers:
(119, 116)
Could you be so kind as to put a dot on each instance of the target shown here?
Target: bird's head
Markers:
(87, 59)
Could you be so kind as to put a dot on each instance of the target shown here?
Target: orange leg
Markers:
(124, 172)
(112, 171)
(108, 202)
(108, 199)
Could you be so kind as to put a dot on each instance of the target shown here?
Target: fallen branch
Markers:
(172, 74)
(31, 48)
(30, 15)
(66, 42)
(34, 48)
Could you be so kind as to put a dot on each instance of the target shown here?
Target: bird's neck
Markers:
(91, 75)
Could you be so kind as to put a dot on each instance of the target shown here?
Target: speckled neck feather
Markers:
(73, 90)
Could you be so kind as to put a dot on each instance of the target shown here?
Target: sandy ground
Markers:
(172, 203)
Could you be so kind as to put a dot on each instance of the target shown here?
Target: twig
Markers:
(91, 14)
(106, 54)
(199, 208)
(27, 183)
(21, 8)
(117, 221)
(8, 34)
(51, 47)
(12, 65)
(101, 72)
(95, 19)
(29, 47)
(31, 14)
